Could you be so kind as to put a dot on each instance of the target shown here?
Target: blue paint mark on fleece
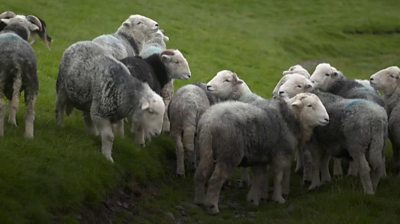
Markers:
(354, 103)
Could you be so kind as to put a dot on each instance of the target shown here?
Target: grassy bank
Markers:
(62, 171)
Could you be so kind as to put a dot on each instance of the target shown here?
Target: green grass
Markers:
(62, 171)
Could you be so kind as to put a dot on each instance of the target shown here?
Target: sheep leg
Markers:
(353, 169)
(316, 165)
(166, 122)
(166, 92)
(307, 169)
(201, 175)
(221, 173)
(30, 116)
(139, 136)
(1, 112)
(280, 164)
(286, 181)
(90, 127)
(188, 142)
(15, 100)
(107, 136)
(118, 128)
(364, 169)
(325, 174)
(337, 167)
(245, 177)
(61, 104)
(299, 155)
(257, 183)
(180, 160)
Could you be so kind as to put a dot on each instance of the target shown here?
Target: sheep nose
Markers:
(371, 79)
(209, 87)
(326, 119)
(157, 25)
(281, 92)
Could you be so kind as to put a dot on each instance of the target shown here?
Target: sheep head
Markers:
(297, 69)
(325, 76)
(386, 80)
(227, 85)
(293, 84)
(176, 64)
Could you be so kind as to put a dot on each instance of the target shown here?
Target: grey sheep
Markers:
(387, 81)
(258, 135)
(129, 38)
(18, 72)
(184, 112)
(357, 131)
(107, 93)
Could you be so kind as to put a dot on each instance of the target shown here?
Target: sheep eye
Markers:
(326, 74)
(309, 105)
(177, 62)
(299, 86)
(138, 23)
(227, 80)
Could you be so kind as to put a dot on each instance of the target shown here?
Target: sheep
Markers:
(387, 82)
(356, 130)
(184, 112)
(159, 69)
(129, 38)
(328, 79)
(41, 32)
(18, 72)
(258, 134)
(107, 93)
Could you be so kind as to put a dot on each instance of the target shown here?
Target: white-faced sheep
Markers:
(184, 112)
(387, 81)
(297, 69)
(18, 72)
(356, 130)
(41, 31)
(130, 37)
(107, 93)
(237, 133)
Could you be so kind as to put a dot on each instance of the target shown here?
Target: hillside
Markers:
(61, 177)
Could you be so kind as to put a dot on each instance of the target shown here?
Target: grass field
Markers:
(61, 177)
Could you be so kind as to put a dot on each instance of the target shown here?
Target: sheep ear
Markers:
(166, 55)
(145, 105)
(126, 24)
(6, 21)
(236, 79)
(297, 104)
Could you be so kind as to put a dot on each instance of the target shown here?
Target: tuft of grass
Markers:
(61, 173)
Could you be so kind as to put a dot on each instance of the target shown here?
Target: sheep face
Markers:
(176, 64)
(386, 80)
(151, 116)
(139, 25)
(295, 84)
(309, 109)
(224, 84)
(297, 69)
(325, 76)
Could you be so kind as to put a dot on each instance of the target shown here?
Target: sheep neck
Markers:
(132, 42)
(292, 119)
(392, 99)
(159, 69)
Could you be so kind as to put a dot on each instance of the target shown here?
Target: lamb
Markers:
(328, 79)
(18, 72)
(159, 69)
(184, 112)
(387, 82)
(41, 32)
(107, 93)
(260, 134)
(356, 131)
(130, 37)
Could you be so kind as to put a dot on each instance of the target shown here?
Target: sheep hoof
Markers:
(180, 175)
(314, 187)
(142, 145)
(212, 210)
(279, 199)
(306, 182)
(28, 136)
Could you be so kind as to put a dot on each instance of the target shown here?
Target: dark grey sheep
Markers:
(184, 112)
(18, 72)
(106, 93)
(229, 136)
